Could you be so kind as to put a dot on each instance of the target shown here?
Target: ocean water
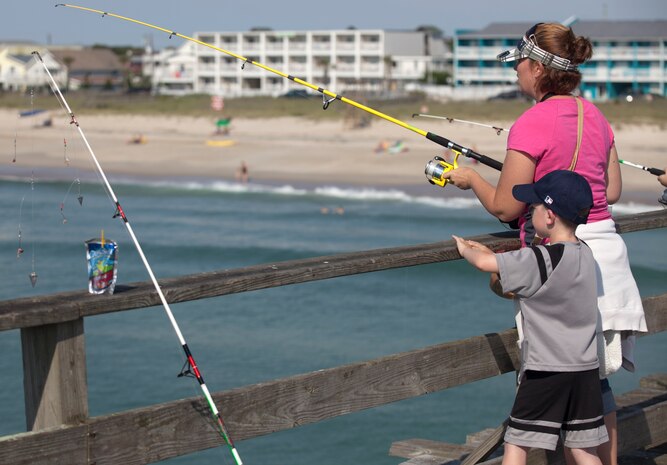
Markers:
(188, 227)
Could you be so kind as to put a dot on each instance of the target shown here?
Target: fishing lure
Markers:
(79, 198)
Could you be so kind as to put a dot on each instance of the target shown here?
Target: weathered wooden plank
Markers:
(487, 447)
(655, 310)
(653, 456)
(656, 381)
(167, 430)
(424, 460)
(54, 308)
(638, 427)
(180, 427)
(176, 428)
(642, 427)
(64, 445)
(641, 424)
(641, 221)
(66, 306)
(54, 375)
(415, 448)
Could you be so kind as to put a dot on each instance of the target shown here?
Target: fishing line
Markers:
(65, 152)
(77, 181)
(20, 250)
(16, 133)
(498, 130)
(33, 273)
(325, 93)
(190, 365)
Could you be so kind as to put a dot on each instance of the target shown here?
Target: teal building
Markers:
(629, 57)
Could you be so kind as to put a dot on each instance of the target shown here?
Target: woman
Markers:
(566, 132)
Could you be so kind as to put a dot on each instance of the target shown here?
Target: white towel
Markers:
(618, 297)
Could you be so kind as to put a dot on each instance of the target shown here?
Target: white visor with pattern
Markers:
(527, 48)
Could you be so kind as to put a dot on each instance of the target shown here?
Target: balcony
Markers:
(371, 68)
(345, 46)
(483, 74)
(274, 47)
(321, 46)
(206, 68)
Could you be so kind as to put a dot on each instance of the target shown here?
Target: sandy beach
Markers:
(278, 150)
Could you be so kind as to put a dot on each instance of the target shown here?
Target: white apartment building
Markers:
(369, 60)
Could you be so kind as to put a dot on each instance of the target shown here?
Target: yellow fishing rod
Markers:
(332, 96)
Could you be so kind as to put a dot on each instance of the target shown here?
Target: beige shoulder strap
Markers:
(580, 131)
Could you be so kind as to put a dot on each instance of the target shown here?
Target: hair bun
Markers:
(582, 50)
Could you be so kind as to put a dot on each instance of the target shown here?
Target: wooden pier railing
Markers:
(55, 385)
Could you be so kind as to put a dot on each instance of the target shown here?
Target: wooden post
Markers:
(54, 374)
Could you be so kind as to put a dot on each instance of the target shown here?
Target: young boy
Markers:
(556, 292)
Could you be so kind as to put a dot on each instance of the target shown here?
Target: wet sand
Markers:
(278, 150)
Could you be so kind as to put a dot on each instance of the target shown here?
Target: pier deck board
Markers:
(642, 420)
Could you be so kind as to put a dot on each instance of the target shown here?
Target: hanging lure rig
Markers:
(20, 250)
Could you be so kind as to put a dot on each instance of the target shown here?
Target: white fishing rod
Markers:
(192, 369)
(655, 171)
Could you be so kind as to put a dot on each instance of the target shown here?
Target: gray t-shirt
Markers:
(556, 289)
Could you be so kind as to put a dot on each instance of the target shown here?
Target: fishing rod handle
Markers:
(483, 159)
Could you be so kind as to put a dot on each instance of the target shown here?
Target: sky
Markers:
(41, 22)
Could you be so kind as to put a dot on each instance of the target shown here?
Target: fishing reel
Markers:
(436, 168)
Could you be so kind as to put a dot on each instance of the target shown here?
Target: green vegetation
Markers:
(637, 112)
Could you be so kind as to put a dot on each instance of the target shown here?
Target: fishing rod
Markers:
(190, 368)
(325, 93)
(655, 171)
(452, 120)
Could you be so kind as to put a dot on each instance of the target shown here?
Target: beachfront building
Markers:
(94, 68)
(171, 70)
(19, 69)
(369, 60)
(630, 57)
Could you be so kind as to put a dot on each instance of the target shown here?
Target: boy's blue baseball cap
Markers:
(566, 193)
